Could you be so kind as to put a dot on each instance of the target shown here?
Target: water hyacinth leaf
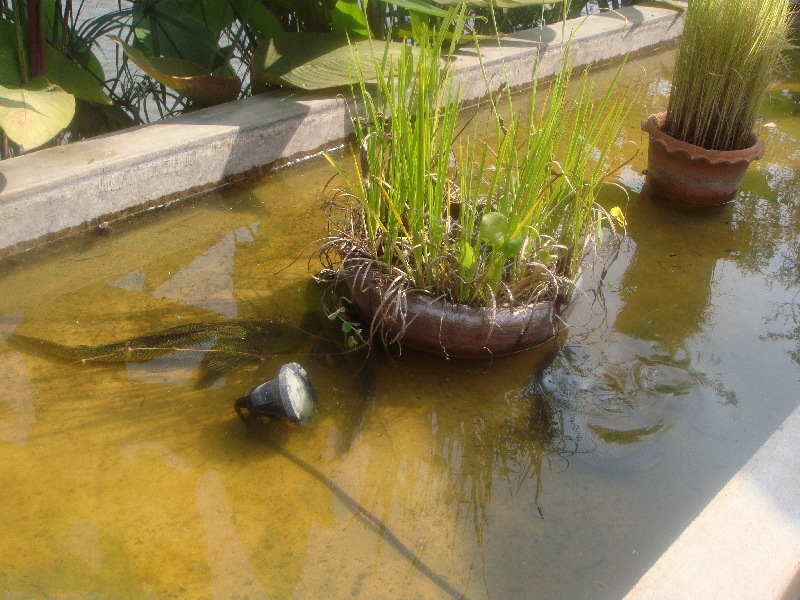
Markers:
(60, 70)
(347, 19)
(493, 228)
(467, 258)
(616, 212)
(313, 61)
(185, 77)
(545, 256)
(512, 247)
(33, 115)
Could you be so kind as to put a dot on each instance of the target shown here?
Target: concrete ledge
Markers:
(746, 542)
(54, 192)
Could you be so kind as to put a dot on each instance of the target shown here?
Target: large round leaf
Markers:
(30, 117)
(313, 61)
(184, 77)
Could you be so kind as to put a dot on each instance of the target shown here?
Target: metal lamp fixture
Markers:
(289, 396)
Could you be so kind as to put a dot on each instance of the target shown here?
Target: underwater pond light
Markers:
(289, 396)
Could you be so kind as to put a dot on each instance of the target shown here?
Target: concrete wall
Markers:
(54, 192)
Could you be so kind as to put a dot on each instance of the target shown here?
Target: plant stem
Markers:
(64, 22)
(36, 22)
(23, 69)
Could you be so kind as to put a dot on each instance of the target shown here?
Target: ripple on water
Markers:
(617, 401)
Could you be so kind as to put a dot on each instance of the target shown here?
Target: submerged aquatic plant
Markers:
(729, 56)
(505, 223)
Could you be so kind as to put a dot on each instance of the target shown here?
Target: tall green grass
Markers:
(443, 210)
(728, 57)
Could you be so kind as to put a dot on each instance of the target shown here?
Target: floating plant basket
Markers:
(438, 326)
(680, 172)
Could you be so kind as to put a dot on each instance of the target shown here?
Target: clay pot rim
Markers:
(466, 314)
(654, 124)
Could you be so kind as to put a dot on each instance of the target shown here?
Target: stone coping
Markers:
(58, 191)
(745, 545)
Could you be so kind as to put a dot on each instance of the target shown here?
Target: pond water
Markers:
(524, 477)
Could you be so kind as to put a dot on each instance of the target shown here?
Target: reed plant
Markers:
(435, 206)
(729, 56)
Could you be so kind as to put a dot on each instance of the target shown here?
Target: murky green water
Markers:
(124, 481)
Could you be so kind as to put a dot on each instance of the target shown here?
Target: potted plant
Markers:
(701, 145)
(461, 246)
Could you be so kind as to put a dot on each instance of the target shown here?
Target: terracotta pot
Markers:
(455, 330)
(681, 172)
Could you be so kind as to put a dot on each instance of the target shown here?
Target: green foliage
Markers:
(60, 70)
(186, 78)
(348, 19)
(506, 222)
(313, 61)
(728, 58)
(35, 114)
(255, 41)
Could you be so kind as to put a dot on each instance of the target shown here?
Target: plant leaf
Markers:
(184, 77)
(493, 228)
(598, 228)
(421, 6)
(60, 70)
(545, 256)
(313, 61)
(169, 31)
(347, 18)
(501, 3)
(616, 212)
(510, 248)
(467, 258)
(259, 18)
(34, 115)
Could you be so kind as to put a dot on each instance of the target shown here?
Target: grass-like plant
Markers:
(728, 57)
(488, 223)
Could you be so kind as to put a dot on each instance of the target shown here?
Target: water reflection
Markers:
(167, 456)
(83, 542)
(207, 282)
(132, 282)
(232, 574)
(16, 393)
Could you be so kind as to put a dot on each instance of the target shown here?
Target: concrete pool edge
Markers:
(53, 193)
(746, 542)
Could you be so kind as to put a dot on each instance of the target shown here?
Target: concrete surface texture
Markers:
(745, 545)
(54, 192)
